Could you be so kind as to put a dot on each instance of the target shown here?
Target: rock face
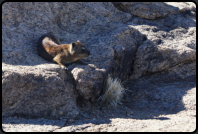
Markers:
(127, 40)
(37, 92)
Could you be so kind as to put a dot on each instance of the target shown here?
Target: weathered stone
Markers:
(161, 38)
(23, 23)
(165, 47)
(37, 91)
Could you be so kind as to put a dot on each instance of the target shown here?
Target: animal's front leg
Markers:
(58, 60)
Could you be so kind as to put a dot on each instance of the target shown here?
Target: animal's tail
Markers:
(48, 42)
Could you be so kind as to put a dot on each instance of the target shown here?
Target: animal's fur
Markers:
(50, 49)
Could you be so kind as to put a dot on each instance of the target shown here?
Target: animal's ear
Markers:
(73, 45)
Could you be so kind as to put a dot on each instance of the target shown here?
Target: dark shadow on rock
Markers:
(146, 98)
(41, 121)
(93, 121)
(162, 118)
(61, 123)
(149, 97)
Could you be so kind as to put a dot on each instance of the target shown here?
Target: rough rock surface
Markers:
(39, 91)
(171, 40)
(123, 42)
(153, 10)
(173, 109)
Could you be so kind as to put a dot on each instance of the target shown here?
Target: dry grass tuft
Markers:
(113, 92)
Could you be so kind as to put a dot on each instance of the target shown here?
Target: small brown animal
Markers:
(50, 49)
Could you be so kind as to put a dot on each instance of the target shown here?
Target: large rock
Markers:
(23, 23)
(171, 41)
(38, 91)
(120, 44)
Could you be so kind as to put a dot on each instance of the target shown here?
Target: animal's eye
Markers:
(83, 49)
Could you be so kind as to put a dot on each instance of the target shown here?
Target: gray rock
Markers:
(165, 48)
(38, 91)
(54, 90)
(153, 10)
(120, 44)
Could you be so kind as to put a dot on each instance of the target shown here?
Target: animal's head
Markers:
(78, 49)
